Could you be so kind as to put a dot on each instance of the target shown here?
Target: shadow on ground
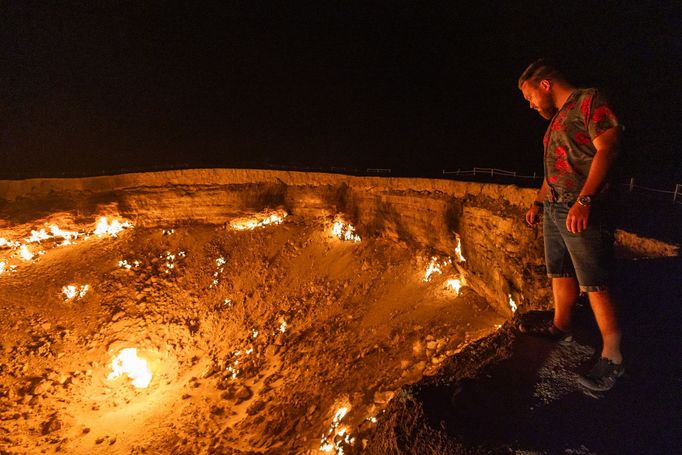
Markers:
(529, 402)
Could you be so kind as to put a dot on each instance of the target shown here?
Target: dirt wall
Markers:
(503, 255)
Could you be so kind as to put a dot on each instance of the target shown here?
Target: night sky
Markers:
(104, 87)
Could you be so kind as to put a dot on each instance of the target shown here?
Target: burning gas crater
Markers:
(12, 252)
(141, 369)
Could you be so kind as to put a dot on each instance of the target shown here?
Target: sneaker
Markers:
(549, 331)
(602, 376)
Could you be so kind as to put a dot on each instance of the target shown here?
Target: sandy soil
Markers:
(256, 339)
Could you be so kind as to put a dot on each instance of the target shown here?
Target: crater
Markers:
(277, 312)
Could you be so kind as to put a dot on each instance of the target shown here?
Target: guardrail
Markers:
(488, 171)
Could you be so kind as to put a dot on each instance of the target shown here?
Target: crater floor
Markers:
(283, 339)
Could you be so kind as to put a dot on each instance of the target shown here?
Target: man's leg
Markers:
(566, 293)
(605, 313)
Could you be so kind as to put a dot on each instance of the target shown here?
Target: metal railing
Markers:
(491, 172)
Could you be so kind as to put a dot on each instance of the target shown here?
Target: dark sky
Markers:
(92, 87)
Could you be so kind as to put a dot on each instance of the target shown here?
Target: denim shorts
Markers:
(587, 255)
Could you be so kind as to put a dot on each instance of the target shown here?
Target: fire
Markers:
(344, 231)
(26, 255)
(259, 220)
(337, 434)
(66, 235)
(458, 250)
(512, 304)
(220, 262)
(2, 267)
(112, 229)
(72, 291)
(37, 236)
(8, 243)
(455, 284)
(127, 362)
(435, 266)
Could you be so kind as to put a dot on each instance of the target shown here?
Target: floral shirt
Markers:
(568, 141)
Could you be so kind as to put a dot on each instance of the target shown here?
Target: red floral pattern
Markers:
(568, 141)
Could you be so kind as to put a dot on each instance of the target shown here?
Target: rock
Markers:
(50, 425)
(417, 348)
(383, 397)
(243, 394)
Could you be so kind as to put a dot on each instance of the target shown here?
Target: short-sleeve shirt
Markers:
(568, 141)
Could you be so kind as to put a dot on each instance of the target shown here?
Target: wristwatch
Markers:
(585, 201)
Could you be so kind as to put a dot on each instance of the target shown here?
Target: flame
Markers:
(2, 267)
(66, 235)
(432, 268)
(283, 326)
(344, 231)
(37, 236)
(512, 304)
(8, 243)
(458, 250)
(337, 434)
(435, 266)
(72, 291)
(259, 220)
(105, 228)
(26, 255)
(455, 284)
(127, 362)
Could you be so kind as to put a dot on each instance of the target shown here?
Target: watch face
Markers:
(585, 200)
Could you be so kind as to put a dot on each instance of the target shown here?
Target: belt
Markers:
(555, 196)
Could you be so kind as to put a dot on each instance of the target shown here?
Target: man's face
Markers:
(539, 97)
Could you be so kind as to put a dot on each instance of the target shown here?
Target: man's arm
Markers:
(607, 150)
(534, 210)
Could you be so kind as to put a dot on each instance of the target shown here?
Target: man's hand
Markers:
(576, 221)
(533, 215)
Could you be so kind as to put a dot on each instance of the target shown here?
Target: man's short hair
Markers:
(538, 70)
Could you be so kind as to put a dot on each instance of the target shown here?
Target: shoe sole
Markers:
(590, 385)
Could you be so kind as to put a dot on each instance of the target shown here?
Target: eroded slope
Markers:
(257, 339)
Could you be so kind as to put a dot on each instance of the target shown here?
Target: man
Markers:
(580, 149)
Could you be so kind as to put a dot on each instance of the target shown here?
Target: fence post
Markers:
(632, 184)
(491, 172)
(677, 191)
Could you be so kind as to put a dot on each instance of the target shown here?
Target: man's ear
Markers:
(545, 84)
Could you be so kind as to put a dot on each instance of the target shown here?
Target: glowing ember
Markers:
(283, 326)
(75, 292)
(127, 362)
(455, 284)
(2, 267)
(512, 304)
(458, 250)
(112, 229)
(344, 231)
(259, 220)
(25, 254)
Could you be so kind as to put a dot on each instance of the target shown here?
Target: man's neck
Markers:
(561, 94)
